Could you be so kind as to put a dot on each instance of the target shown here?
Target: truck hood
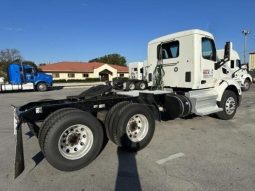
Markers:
(43, 75)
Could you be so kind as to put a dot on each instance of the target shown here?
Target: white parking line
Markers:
(171, 157)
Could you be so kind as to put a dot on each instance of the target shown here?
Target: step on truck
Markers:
(25, 77)
(186, 78)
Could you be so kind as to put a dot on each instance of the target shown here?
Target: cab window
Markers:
(29, 70)
(169, 50)
(208, 49)
(238, 63)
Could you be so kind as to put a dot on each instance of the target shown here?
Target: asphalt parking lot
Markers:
(202, 153)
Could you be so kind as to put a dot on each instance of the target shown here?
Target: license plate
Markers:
(15, 120)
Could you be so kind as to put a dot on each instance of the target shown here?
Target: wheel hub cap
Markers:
(75, 142)
(230, 105)
(246, 85)
(132, 86)
(137, 128)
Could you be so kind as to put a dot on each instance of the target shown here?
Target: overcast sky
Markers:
(79, 30)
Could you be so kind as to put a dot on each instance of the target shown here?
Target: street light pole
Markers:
(245, 33)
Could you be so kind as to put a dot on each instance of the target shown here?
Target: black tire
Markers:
(247, 85)
(45, 126)
(120, 127)
(130, 85)
(41, 87)
(141, 85)
(111, 116)
(56, 130)
(229, 98)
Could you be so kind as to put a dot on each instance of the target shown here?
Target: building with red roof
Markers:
(83, 70)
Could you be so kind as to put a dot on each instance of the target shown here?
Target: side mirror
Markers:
(239, 65)
(227, 51)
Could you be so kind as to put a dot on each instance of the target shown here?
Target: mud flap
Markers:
(19, 158)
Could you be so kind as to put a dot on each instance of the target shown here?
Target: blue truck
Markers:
(25, 77)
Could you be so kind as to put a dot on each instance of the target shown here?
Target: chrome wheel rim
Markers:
(137, 128)
(132, 86)
(75, 142)
(142, 86)
(42, 87)
(246, 85)
(230, 105)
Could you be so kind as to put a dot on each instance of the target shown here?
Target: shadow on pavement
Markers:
(38, 158)
(127, 178)
(56, 88)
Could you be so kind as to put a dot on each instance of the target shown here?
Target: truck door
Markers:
(29, 74)
(208, 60)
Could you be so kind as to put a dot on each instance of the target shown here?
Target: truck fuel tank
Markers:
(177, 106)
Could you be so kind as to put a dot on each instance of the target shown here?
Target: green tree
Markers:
(8, 56)
(115, 59)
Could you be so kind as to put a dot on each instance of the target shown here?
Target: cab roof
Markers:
(220, 54)
(181, 34)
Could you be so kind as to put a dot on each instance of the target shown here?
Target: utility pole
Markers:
(245, 33)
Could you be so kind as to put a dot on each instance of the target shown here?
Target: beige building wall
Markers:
(95, 74)
(252, 61)
(66, 76)
(105, 67)
(122, 74)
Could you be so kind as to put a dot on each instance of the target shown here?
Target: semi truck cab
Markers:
(234, 69)
(26, 77)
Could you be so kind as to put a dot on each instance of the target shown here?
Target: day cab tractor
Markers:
(136, 80)
(236, 70)
(25, 77)
(185, 77)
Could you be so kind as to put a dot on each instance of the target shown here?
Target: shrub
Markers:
(122, 78)
(77, 80)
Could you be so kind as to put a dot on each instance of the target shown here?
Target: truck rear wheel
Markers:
(73, 140)
(45, 125)
(247, 85)
(130, 85)
(41, 87)
(111, 116)
(229, 105)
(134, 128)
(142, 85)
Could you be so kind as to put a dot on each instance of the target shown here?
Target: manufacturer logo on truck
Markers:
(207, 73)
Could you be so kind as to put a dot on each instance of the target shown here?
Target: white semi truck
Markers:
(137, 73)
(236, 70)
(136, 70)
(185, 77)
